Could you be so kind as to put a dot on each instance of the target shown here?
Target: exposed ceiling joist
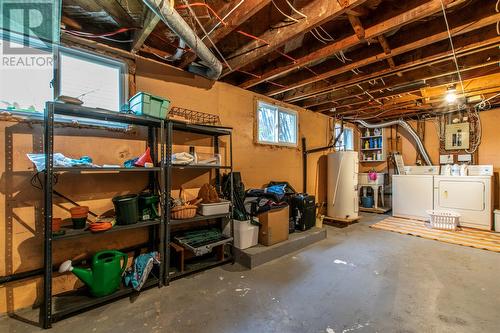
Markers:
(117, 12)
(149, 23)
(419, 12)
(245, 11)
(317, 12)
(349, 88)
(475, 68)
(357, 26)
(321, 87)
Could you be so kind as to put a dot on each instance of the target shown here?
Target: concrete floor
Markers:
(357, 280)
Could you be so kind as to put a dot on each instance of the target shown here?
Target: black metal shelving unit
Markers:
(56, 307)
(215, 132)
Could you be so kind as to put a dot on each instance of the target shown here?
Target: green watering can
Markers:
(104, 275)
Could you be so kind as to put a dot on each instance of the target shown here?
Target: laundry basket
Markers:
(443, 219)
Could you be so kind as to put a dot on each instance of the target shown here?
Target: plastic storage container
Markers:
(217, 208)
(443, 219)
(149, 105)
(245, 234)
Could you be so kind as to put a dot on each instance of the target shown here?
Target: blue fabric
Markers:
(278, 190)
(59, 160)
(136, 275)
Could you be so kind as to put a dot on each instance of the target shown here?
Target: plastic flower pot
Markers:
(126, 209)
(79, 216)
(56, 224)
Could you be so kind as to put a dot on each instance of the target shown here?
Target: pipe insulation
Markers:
(176, 23)
(406, 127)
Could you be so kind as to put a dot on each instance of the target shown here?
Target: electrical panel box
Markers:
(457, 136)
(445, 159)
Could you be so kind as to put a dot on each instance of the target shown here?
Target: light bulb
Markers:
(450, 97)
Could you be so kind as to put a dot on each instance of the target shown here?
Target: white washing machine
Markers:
(470, 196)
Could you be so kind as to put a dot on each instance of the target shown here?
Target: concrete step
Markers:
(260, 254)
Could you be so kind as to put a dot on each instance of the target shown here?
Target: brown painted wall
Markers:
(21, 230)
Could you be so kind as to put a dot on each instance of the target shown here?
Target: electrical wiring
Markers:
(453, 47)
(326, 33)
(284, 14)
(319, 39)
(106, 34)
(193, 14)
(202, 4)
(295, 10)
(224, 18)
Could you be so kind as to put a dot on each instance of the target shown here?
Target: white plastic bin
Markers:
(217, 208)
(497, 220)
(245, 234)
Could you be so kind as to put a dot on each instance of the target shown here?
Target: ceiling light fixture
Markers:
(451, 95)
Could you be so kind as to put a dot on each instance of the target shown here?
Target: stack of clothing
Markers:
(258, 201)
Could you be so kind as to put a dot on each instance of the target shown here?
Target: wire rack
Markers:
(194, 117)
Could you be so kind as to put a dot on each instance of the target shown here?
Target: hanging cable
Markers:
(295, 10)
(282, 13)
(327, 34)
(319, 39)
(224, 18)
(453, 48)
(205, 32)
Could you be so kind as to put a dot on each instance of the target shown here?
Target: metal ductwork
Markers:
(177, 24)
(408, 128)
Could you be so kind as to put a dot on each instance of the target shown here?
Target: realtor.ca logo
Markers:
(27, 32)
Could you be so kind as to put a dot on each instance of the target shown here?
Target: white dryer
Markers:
(470, 196)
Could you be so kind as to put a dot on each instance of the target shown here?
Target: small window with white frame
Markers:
(103, 84)
(276, 125)
(346, 140)
(99, 81)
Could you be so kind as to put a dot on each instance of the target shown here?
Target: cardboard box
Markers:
(274, 226)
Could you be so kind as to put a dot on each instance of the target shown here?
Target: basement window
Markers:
(346, 140)
(102, 86)
(276, 125)
(98, 81)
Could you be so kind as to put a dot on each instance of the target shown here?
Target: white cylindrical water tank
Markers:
(342, 192)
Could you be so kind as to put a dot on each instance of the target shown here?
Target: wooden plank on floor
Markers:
(464, 236)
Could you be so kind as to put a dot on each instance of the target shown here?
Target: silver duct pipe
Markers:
(177, 24)
(408, 128)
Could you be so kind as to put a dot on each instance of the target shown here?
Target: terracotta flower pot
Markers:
(79, 216)
(79, 211)
(56, 224)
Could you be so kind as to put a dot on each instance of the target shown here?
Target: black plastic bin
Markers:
(126, 209)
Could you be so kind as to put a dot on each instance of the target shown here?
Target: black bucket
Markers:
(126, 209)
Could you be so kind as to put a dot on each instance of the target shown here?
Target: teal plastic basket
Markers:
(148, 105)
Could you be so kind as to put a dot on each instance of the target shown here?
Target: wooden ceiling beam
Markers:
(117, 12)
(434, 59)
(412, 15)
(387, 50)
(149, 24)
(357, 26)
(243, 13)
(422, 75)
(473, 71)
(313, 86)
(317, 12)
